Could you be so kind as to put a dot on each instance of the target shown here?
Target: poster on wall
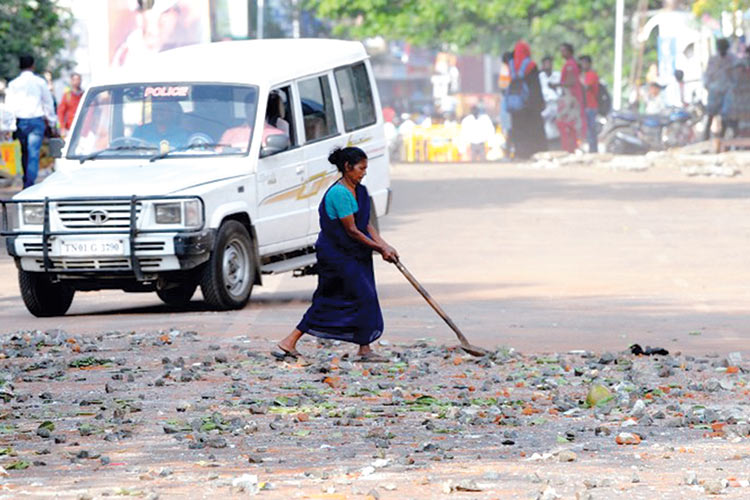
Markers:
(139, 28)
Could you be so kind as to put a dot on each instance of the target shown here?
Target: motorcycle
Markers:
(633, 133)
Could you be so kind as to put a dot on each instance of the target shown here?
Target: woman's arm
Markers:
(393, 254)
(376, 242)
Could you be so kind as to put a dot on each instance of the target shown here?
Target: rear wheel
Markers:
(42, 297)
(179, 295)
(227, 278)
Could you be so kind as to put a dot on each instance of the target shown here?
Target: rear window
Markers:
(317, 108)
(355, 92)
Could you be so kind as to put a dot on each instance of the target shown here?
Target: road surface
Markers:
(539, 259)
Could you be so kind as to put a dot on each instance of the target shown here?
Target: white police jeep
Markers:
(201, 167)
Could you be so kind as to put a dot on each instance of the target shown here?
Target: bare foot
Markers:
(367, 355)
(364, 350)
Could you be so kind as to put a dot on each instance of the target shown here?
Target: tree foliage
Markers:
(716, 7)
(486, 26)
(37, 27)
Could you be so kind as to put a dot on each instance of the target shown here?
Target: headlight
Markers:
(33, 214)
(193, 213)
(168, 213)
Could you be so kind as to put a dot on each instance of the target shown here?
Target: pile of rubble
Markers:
(162, 413)
(690, 161)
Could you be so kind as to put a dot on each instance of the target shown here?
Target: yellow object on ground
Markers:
(10, 159)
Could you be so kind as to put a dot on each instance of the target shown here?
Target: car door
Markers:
(322, 133)
(363, 127)
(283, 212)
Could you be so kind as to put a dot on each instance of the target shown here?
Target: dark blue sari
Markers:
(345, 305)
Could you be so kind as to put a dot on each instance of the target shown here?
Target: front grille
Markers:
(83, 215)
(149, 246)
(36, 247)
(101, 264)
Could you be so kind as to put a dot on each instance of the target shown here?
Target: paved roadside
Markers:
(543, 260)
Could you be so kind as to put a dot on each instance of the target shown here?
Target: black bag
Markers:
(603, 101)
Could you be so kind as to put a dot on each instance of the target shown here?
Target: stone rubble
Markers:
(157, 413)
(690, 163)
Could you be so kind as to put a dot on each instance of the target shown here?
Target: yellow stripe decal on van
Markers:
(312, 186)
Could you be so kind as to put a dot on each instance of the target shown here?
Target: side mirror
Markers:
(55, 145)
(274, 144)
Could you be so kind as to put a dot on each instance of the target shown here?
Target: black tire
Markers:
(613, 144)
(42, 297)
(178, 296)
(227, 278)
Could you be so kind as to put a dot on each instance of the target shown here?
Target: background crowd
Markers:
(566, 108)
(30, 111)
(541, 108)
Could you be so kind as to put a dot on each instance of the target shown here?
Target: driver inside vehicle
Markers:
(238, 137)
(166, 125)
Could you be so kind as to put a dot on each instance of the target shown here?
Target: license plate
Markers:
(79, 248)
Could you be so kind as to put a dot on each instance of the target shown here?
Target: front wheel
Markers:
(42, 297)
(228, 277)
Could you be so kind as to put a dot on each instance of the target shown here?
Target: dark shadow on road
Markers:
(193, 307)
(301, 298)
(479, 193)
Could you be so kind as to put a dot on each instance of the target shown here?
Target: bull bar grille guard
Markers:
(131, 232)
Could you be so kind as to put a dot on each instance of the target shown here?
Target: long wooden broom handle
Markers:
(431, 301)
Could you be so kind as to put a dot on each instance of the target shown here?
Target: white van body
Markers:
(98, 212)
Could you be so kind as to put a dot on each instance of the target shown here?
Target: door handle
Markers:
(300, 170)
(271, 179)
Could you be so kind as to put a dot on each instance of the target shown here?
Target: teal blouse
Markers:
(340, 202)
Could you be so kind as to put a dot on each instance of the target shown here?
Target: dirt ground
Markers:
(557, 271)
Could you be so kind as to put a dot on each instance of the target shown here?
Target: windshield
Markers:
(187, 119)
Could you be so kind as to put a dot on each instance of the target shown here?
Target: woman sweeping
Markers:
(345, 305)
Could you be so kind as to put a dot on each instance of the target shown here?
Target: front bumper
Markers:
(154, 254)
(140, 253)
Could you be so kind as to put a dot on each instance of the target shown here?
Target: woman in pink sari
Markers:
(570, 116)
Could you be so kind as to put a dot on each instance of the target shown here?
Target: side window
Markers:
(317, 108)
(279, 113)
(356, 96)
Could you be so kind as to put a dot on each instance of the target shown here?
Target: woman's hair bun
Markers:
(350, 155)
(335, 156)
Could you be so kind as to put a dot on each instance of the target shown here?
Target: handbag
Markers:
(517, 95)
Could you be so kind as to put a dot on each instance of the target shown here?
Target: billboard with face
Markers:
(139, 28)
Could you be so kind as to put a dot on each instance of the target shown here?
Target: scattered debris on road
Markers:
(728, 164)
(158, 413)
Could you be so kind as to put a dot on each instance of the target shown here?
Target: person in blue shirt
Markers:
(345, 305)
(166, 125)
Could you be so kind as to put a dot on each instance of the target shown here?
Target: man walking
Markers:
(66, 111)
(30, 100)
(590, 81)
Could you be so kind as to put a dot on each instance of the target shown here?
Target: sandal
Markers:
(372, 357)
(281, 354)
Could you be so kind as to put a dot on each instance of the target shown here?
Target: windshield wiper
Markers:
(188, 148)
(129, 147)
